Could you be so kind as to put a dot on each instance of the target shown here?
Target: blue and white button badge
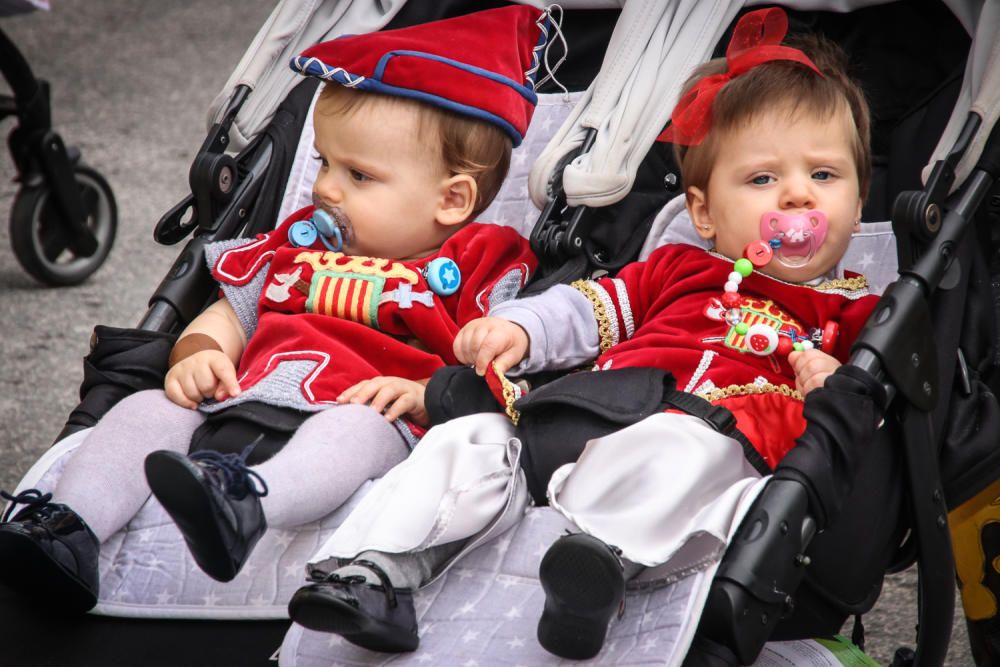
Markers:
(443, 276)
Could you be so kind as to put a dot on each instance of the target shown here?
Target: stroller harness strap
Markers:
(720, 419)
(557, 419)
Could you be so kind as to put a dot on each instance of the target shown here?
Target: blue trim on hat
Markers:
(465, 109)
(524, 91)
(316, 68)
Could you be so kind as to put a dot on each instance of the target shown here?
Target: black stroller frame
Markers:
(769, 557)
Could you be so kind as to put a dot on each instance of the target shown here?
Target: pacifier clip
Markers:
(763, 339)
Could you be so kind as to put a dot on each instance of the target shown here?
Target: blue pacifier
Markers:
(304, 233)
(328, 229)
(443, 276)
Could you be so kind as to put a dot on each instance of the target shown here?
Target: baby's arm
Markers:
(203, 362)
(394, 397)
(812, 368)
(553, 330)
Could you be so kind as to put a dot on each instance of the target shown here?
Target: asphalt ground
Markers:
(131, 85)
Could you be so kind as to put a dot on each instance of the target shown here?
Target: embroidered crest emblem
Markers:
(350, 287)
(753, 312)
(349, 296)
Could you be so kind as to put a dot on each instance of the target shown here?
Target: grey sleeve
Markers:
(561, 328)
(244, 298)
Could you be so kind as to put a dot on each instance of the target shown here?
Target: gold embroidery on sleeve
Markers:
(600, 313)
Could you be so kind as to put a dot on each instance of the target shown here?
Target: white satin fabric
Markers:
(667, 491)
(461, 481)
(663, 488)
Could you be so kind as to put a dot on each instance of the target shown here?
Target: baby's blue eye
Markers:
(761, 180)
(822, 175)
(358, 176)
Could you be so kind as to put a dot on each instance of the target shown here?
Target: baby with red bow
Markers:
(773, 143)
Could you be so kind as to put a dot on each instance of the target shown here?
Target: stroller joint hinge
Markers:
(909, 360)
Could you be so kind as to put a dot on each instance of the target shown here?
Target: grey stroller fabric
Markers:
(484, 611)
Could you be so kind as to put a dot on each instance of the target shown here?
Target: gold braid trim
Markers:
(748, 389)
(855, 283)
(510, 395)
(600, 313)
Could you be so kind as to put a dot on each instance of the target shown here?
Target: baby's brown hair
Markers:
(780, 84)
(468, 146)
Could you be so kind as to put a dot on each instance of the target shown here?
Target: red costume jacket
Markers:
(360, 317)
(665, 312)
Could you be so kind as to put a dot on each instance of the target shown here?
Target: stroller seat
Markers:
(147, 572)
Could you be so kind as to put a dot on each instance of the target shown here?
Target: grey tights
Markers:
(332, 454)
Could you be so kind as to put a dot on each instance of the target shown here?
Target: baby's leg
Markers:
(660, 504)
(104, 482)
(405, 570)
(462, 481)
(461, 486)
(327, 459)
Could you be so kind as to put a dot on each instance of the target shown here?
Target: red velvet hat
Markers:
(481, 65)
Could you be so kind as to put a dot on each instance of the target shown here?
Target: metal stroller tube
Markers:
(22, 82)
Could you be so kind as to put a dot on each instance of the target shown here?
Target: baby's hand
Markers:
(491, 339)
(392, 396)
(811, 367)
(205, 374)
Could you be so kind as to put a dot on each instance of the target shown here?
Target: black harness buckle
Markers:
(720, 418)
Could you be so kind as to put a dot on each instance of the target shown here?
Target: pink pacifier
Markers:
(794, 237)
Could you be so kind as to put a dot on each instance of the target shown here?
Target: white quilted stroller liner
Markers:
(146, 570)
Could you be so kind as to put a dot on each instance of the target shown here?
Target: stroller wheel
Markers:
(40, 238)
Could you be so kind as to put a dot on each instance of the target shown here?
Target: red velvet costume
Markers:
(665, 312)
(359, 317)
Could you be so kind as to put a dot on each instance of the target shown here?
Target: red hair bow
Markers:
(756, 40)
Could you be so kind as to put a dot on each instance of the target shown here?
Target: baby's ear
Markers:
(697, 206)
(457, 200)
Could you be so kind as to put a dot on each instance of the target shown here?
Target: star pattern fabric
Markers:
(484, 611)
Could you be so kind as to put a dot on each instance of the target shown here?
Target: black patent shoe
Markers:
(48, 554)
(215, 502)
(584, 586)
(376, 617)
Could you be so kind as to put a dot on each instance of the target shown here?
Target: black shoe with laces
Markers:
(584, 585)
(48, 554)
(374, 616)
(215, 502)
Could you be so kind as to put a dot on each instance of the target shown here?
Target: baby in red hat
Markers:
(333, 322)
